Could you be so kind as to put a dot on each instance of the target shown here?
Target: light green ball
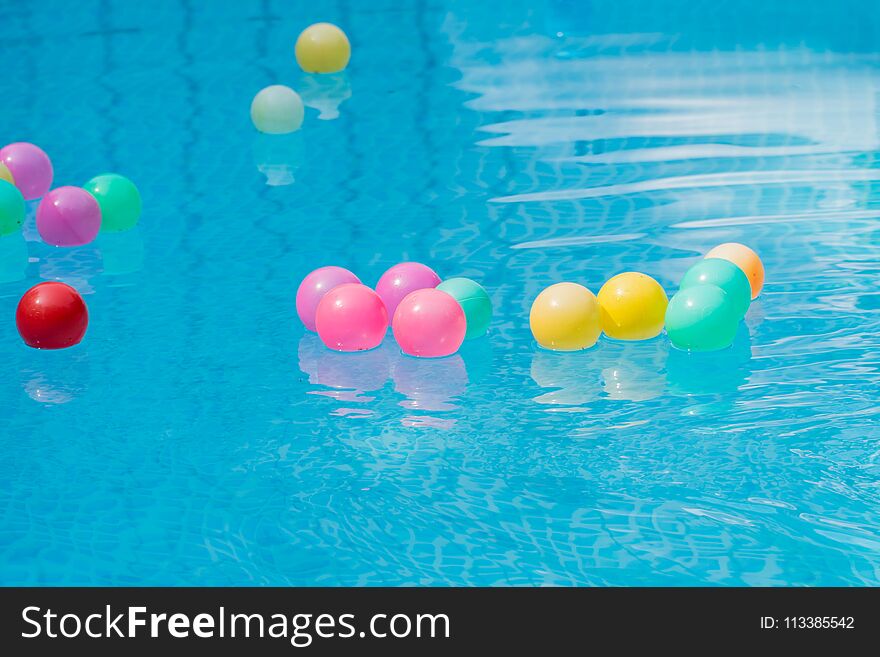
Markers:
(277, 110)
(119, 200)
(725, 275)
(701, 318)
(474, 301)
(11, 208)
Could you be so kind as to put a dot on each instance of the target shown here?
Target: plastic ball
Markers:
(403, 278)
(474, 301)
(565, 317)
(12, 208)
(30, 167)
(429, 323)
(744, 258)
(314, 287)
(6, 174)
(68, 216)
(351, 317)
(52, 316)
(119, 200)
(725, 275)
(322, 48)
(277, 110)
(701, 318)
(632, 307)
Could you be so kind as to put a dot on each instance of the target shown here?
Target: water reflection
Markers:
(634, 371)
(716, 373)
(76, 266)
(628, 371)
(350, 376)
(278, 157)
(427, 385)
(57, 376)
(573, 377)
(640, 371)
(13, 257)
(325, 93)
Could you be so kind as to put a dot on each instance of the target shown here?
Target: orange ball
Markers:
(744, 258)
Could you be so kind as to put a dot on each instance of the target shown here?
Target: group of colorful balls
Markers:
(429, 318)
(66, 216)
(320, 48)
(53, 315)
(704, 315)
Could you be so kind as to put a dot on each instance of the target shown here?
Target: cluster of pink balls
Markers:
(66, 216)
(349, 316)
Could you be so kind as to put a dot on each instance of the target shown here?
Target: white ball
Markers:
(277, 110)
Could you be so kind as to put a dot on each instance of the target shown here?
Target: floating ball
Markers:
(322, 48)
(429, 323)
(474, 301)
(68, 216)
(401, 279)
(12, 208)
(351, 317)
(119, 200)
(565, 317)
(632, 307)
(6, 174)
(30, 167)
(277, 110)
(701, 318)
(314, 287)
(52, 316)
(744, 258)
(725, 275)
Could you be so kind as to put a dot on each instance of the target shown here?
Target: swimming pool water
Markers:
(199, 436)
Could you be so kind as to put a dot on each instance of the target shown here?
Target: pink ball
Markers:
(429, 323)
(30, 167)
(68, 216)
(314, 287)
(402, 279)
(351, 317)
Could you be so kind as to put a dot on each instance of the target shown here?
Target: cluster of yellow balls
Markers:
(633, 306)
(320, 48)
(568, 317)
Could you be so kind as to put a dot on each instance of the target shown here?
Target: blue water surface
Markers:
(200, 436)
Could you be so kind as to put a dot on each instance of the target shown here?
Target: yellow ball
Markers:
(632, 307)
(322, 48)
(565, 317)
(6, 174)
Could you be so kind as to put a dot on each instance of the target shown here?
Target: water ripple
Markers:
(697, 181)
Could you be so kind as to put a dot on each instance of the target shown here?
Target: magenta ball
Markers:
(30, 167)
(429, 323)
(314, 287)
(68, 216)
(351, 317)
(402, 279)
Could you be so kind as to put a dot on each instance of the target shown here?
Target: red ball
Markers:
(52, 316)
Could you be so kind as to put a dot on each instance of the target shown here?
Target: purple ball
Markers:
(314, 287)
(68, 216)
(30, 167)
(402, 279)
